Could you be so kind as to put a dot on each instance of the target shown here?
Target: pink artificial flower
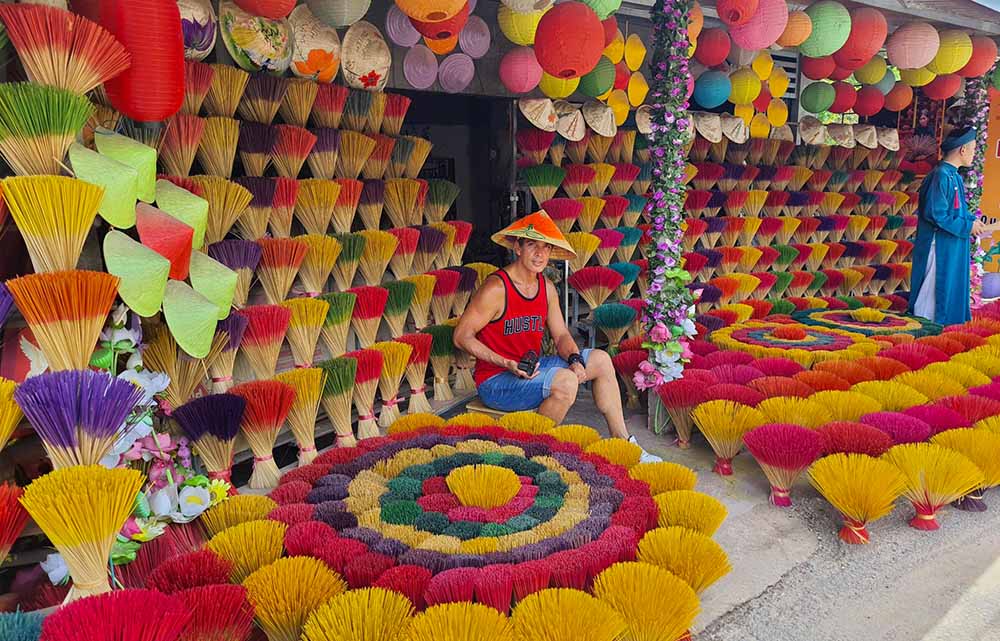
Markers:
(659, 333)
(131, 528)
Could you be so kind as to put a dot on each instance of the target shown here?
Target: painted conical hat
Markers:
(866, 136)
(536, 226)
(643, 119)
(365, 57)
(784, 132)
(601, 118)
(888, 138)
(734, 128)
(843, 135)
(813, 132)
(539, 112)
(709, 126)
(571, 126)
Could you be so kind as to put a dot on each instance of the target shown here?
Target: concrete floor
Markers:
(793, 580)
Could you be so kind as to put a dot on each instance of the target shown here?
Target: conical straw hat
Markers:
(601, 119)
(536, 226)
(866, 136)
(709, 126)
(539, 112)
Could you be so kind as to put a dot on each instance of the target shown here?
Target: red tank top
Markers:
(519, 328)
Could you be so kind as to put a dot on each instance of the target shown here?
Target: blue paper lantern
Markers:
(887, 82)
(711, 89)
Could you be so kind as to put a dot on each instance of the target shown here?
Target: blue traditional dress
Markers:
(941, 255)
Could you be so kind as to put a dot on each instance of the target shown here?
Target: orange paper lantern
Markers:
(799, 28)
(696, 20)
(899, 97)
(984, 54)
(569, 40)
(844, 97)
(868, 32)
(713, 47)
(817, 68)
(736, 12)
(943, 87)
(445, 28)
(430, 10)
(442, 46)
(869, 101)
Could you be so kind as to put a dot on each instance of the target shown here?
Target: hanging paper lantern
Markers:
(519, 71)
(604, 8)
(637, 89)
(619, 103)
(696, 20)
(868, 32)
(430, 10)
(778, 82)
(690, 87)
(441, 47)
(740, 57)
(869, 101)
(817, 97)
(760, 127)
(150, 30)
(943, 87)
(762, 100)
(736, 12)
(831, 25)
(444, 28)
(872, 71)
(520, 6)
(342, 13)
(887, 82)
(711, 89)
(200, 28)
(916, 77)
(622, 75)
(610, 25)
(844, 97)
(635, 52)
(569, 40)
(475, 39)
(797, 30)
(615, 51)
(554, 87)
(255, 43)
(764, 26)
(839, 73)
(271, 9)
(420, 67)
(598, 81)
(519, 27)
(912, 45)
(399, 28)
(984, 54)
(817, 68)
(777, 112)
(954, 52)
(713, 47)
(763, 65)
(744, 113)
(899, 97)
(456, 72)
(744, 86)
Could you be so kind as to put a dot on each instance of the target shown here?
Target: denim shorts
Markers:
(510, 393)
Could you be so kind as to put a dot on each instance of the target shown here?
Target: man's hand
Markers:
(580, 371)
(979, 229)
(512, 366)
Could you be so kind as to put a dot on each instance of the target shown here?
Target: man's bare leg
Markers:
(607, 396)
(562, 395)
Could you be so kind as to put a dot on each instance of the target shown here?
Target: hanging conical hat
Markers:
(600, 118)
(709, 126)
(539, 112)
(564, 107)
(843, 135)
(734, 128)
(866, 136)
(644, 117)
(571, 126)
(888, 138)
(813, 132)
(536, 226)
(784, 132)
(365, 57)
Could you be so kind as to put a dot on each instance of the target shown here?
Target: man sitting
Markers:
(506, 320)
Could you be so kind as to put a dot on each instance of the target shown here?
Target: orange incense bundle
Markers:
(197, 81)
(347, 204)
(280, 259)
(416, 371)
(66, 312)
(365, 383)
(463, 230)
(374, 168)
(180, 143)
(265, 332)
(291, 147)
(369, 305)
(267, 405)
(445, 285)
(308, 316)
(401, 262)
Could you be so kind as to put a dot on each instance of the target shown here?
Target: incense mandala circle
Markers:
(869, 322)
(806, 344)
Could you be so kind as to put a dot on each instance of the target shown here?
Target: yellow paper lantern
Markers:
(557, 87)
(744, 112)
(745, 86)
(763, 65)
(778, 81)
(872, 72)
(759, 126)
(953, 54)
(618, 101)
(519, 27)
(607, 94)
(777, 112)
(616, 50)
(635, 52)
(916, 77)
(637, 89)
(691, 49)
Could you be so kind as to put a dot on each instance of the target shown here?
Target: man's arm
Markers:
(566, 347)
(485, 306)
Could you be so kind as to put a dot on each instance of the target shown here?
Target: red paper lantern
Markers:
(610, 25)
(444, 29)
(87, 8)
(817, 68)
(839, 73)
(736, 12)
(271, 9)
(844, 97)
(622, 75)
(984, 53)
(713, 47)
(152, 89)
(943, 87)
(762, 100)
(569, 40)
(869, 101)
(899, 97)
(868, 32)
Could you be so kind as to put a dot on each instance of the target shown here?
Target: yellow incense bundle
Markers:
(316, 267)
(308, 316)
(423, 292)
(308, 385)
(395, 356)
(379, 249)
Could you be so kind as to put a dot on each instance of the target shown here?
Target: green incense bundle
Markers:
(38, 123)
(441, 194)
(781, 306)
(356, 110)
(786, 256)
(819, 279)
(442, 355)
(401, 154)
(614, 320)
(781, 283)
(629, 272)
(338, 321)
(543, 181)
(851, 302)
(397, 306)
(352, 246)
(338, 392)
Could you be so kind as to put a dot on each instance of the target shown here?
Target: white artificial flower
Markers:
(163, 503)
(152, 383)
(134, 360)
(688, 326)
(55, 567)
(193, 501)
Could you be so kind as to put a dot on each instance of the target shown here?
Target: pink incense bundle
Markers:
(611, 239)
(734, 393)
(679, 398)
(783, 452)
(534, 144)
(900, 427)
(578, 178)
(463, 230)
(445, 285)
(614, 209)
(708, 175)
(625, 174)
(365, 384)
(695, 202)
(563, 211)
(416, 370)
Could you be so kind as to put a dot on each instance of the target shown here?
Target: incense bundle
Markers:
(226, 203)
(325, 153)
(368, 307)
(467, 283)
(369, 369)
(318, 263)
(429, 246)
(66, 312)
(356, 110)
(217, 150)
(416, 370)
(378, 161)
(315, 204)
(595, 284)
(445, 285)
(308, 384)
(307, 318)
(280, 259)
(265, 332)
(441, 194)
(564, 212)
(39, 123)
(613, 319)
(637, 205)
(724, 423)
(180, 143)
(603, 172)
(228, 85)
(862, 488)
(543, 181)
(444, 256)
(13, 518)
(252, 223)
(286, 194)
(379, 249)
(421, 151)
(291, 147)
(610, 241)
(396, 106)
(401, 262)
(783, 452)
(197, 82)
(54, 215)
(400, 157)
(10, 412)
(534, 144)
(338, 392)
(241, 256)
(395, 357)
(267, 405)
(442, 354)
(212, 423)
(371, 203)
(401, 200)
(397, 305)
(298, 101)
(185, 373)
(352, 246)
(584, 245)
(254, 145)
(262, 98)
(463, 230)
(354, 150)
(230, 332)
(328, 108)
(347, 204)
(590, 213)
(376, 112)
(337, 321)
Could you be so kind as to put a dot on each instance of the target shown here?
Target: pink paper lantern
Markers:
(943, 87)
(519, 70)
(763, 28)
(913, 45)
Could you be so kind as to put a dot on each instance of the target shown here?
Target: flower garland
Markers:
(976, 114)
(669, 309)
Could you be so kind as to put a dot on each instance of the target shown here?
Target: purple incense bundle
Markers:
(325, 153)
(6, 302)
(241, 256)
(212, 423)
(252, 223)
(371, 203)
(77, 413)
(254, 146)
(428, 246)
(221, 369)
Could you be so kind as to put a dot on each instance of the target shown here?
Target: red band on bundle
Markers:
(302, 365)
(392, 402)
(263, 459)
(307, 449)
(367, 417)
(225, 475)
(222, 379)
(418, 390)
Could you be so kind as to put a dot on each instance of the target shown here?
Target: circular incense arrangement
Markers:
(870, 322)
(806, 344)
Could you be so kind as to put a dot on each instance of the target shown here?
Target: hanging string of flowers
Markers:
(669, 312)
(976, 114)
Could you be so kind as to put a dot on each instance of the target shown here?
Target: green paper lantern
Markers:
(186, 207)
(831, 24)
(603, 8)
(600, 80)
(817, 97)
(214, 281)
(119, 182)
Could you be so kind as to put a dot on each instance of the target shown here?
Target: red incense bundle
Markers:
(265, 332)
(401, 262)
(267, 405)
(534, 144)
(291, 147)
(445, 286)
(369, 305)
(197, 82)
(416, 371)
(280, 260)
(365, 384)
(329, 105)
(396, 106)
(347, 204)
(578, 178)
(180, 143)
(286, 192)
(463, 230)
